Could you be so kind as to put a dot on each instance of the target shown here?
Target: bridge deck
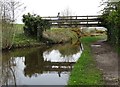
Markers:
(93, 20)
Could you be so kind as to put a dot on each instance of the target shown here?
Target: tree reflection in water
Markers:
(8, 71)
(37, 61)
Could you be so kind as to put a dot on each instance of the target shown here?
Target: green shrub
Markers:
(34, 25)
(111, 20)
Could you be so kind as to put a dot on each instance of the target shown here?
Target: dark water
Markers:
(40, 66)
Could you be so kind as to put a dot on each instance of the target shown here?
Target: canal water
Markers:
(47, 65)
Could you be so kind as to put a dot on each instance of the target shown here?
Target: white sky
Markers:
(52, 7)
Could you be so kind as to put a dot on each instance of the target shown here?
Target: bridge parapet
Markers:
(87, 21)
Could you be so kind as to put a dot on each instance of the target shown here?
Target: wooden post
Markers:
(71, 21)
(87, 21)
(76, 22)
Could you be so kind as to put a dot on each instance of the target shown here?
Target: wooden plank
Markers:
(82, 25)
(77, 24)
(72, 19)
(90, 20)
(71, 16)
(59, 63)
(57, 69)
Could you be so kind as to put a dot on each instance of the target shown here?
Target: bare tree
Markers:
(10, 10)
(66, 12)
(15, 7)
(0, 25)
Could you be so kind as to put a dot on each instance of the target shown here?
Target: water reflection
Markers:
(56, 56)
(40, 66)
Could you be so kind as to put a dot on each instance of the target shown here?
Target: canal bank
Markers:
(50, 37)
(85, 71)
(39, 65)
(46, 65)
(84, 68)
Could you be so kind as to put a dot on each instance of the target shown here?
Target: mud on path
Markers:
(107, 61)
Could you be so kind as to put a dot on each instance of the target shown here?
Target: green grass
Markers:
(21, 40)
(85, 71)
(19, 28)
(60, 34)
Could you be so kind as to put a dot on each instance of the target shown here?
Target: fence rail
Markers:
(92, 20)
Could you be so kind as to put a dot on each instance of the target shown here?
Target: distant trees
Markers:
(66, 14)
(111, 20)
(34, 25)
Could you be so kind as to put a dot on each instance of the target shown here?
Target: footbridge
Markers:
(75, 21)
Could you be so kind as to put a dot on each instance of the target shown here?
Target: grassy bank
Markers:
(53, 36)
(60, 35)
(85, 71)
(21, 40)
(19, 28)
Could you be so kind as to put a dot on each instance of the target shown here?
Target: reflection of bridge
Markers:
(47, 66)
(87, 21)
(58, 66)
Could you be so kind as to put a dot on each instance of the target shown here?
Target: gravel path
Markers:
(107, 61)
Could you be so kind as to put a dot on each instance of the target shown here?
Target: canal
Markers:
(46, 65)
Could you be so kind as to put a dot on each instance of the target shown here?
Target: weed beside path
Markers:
(85, 71)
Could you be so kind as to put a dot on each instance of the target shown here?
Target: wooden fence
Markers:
(74, 21)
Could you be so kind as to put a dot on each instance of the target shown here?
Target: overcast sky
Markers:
(52, 7)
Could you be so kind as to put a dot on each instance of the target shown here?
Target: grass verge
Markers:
(54, 35)
(85, 71)
(21, 40)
